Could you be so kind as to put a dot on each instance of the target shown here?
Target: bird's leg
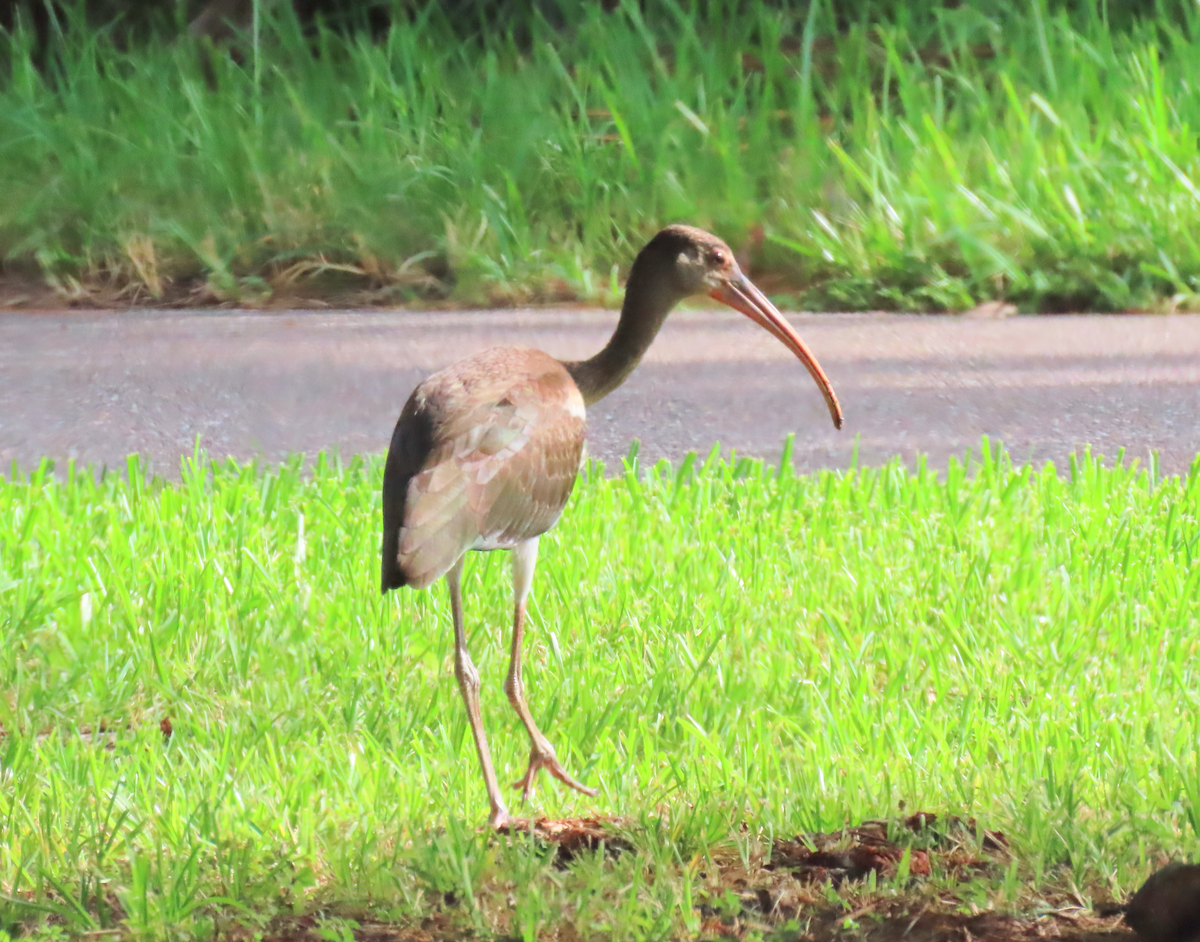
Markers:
(468, 683)
(541, 753)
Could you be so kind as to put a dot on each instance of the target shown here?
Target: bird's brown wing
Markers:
(505, 451)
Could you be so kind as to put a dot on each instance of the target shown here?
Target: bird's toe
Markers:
(526, 787)
(546, 759)
(554, 767)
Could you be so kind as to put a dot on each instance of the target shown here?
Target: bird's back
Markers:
(484, 456)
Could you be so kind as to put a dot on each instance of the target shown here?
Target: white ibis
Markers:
(485, 454)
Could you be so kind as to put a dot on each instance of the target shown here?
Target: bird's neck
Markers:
(647, 303)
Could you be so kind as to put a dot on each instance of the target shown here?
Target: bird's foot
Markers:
(500, 819)
(544, 758)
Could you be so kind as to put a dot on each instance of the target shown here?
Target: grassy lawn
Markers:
(925, 161)
(733, 655)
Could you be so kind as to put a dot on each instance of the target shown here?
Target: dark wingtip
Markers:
(392, 578)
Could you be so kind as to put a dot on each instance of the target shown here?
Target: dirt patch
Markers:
(574, 836)
(788, 896)
(23, 290)
(29, 291)
(927, 854)
(439, 927)
(311, 284)
(916, 917)
(927, 926)
(854, 853)
(827, 926)
(900, 881)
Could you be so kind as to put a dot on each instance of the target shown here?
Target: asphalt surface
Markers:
(96, 386)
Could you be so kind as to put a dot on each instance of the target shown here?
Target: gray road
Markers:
(96, 386)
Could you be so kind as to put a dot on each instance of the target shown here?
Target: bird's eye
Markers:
(716, 257)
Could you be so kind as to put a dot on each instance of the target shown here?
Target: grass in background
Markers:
(710, 644)
(925, 163)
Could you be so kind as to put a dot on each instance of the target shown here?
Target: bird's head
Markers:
(700, 263)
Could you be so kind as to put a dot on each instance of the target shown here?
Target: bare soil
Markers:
(788, 895)
(822, 887)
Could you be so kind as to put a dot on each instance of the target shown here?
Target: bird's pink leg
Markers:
(541, 753)
(468, 683)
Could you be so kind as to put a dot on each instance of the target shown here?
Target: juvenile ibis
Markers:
(485, 453)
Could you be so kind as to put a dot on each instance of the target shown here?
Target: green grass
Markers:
(928, 163)
(712, 644)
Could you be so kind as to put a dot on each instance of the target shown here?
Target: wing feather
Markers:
(507, 441)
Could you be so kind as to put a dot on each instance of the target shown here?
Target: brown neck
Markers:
(648, 300)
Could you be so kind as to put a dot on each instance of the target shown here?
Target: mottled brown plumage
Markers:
(499, 438)
(485, 454)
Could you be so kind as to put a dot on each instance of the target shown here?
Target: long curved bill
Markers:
(739, 293)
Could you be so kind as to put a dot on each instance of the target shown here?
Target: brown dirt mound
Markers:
(573, 836)
(854, 853)
(958, 927)
(812, 888)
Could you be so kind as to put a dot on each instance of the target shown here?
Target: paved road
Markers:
(96, 386)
